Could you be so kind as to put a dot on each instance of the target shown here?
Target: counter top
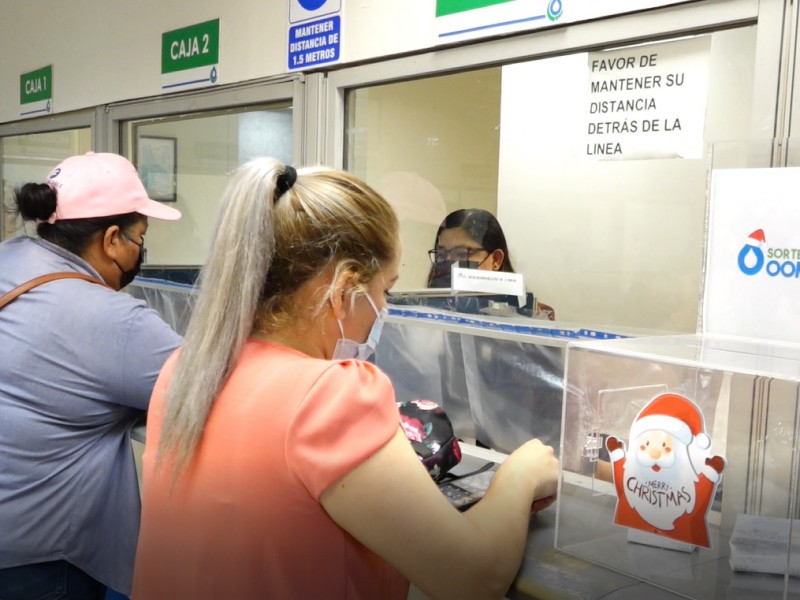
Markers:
(547, 573)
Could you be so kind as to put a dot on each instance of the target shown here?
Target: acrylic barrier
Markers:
(680, 463)
(173, 301)
(501, 381)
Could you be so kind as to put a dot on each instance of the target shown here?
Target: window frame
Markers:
(647, 26)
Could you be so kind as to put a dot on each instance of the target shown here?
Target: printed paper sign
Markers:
(667, 477)
(648, 101)
(494, 282)
(752, 285)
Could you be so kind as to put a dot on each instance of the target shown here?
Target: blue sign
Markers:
(315, 43)
(301, 11)
(311, 4)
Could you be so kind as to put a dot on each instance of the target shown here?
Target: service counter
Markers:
(547, 573)
(501, 382)
(506, 381)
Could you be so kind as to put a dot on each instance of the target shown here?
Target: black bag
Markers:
(430, 432)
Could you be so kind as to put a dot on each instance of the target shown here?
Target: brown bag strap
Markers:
(28, 285)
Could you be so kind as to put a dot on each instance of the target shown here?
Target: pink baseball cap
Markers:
(100, 185)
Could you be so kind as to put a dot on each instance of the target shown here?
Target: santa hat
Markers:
(757, 238)
(676, 415)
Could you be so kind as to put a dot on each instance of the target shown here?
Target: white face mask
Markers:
(350, 349)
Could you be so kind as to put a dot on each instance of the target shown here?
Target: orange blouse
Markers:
(245, 520)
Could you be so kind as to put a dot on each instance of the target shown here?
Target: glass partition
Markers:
(595, 164)
(499, 388)
(29, 158)
(734, 475)
(186, 161)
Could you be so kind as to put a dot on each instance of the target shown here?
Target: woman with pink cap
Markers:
(78, 362)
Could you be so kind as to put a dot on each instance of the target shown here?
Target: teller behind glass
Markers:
(473, 237)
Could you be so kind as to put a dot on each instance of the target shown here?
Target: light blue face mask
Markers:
(350, 349)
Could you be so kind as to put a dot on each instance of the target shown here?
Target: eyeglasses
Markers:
(142, 249)
(456, 254)
(130, 239)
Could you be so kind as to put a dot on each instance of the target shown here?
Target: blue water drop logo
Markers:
(555, 9)
(213, 77)
(312, 5)
(751, 259)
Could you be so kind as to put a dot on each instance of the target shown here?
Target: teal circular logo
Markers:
(555, 9)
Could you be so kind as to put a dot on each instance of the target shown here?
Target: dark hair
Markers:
(483, 228)
(37, 201)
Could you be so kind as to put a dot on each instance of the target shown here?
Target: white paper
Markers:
(493, 282)
(752, 285)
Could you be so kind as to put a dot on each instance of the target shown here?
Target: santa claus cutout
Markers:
(667, 479)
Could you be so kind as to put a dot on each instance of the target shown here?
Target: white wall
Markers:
(105, 52)
(109, 51)
(617, 242)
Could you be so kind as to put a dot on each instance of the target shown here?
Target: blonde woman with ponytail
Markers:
(275, 465)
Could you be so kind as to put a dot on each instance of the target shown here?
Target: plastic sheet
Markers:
(500, 381)
(748, 393)
(497, 388)
(173, 301)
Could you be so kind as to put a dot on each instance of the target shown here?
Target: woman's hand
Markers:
(538, 462)
(542, 503)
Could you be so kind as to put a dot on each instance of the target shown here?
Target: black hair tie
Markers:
(285, 181)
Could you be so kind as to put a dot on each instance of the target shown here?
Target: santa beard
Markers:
(660, 496)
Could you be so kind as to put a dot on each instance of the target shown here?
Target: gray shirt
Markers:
(78, 362)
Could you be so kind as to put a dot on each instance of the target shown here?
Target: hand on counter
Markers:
(542, 466)
(542, 503)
